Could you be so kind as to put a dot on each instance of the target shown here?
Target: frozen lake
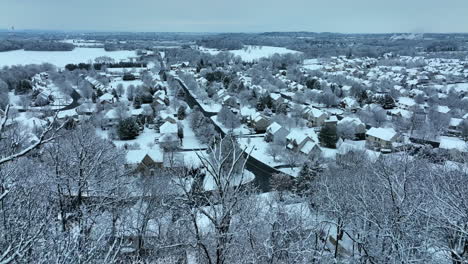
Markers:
(59, 58)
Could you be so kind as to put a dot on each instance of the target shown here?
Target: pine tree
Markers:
(128, 129)
(328, 136)
(181, 112)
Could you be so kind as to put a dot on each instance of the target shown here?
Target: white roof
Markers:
(136, 156)
(354, 120)
(455, 121)
(386, 134)
(275, 96)
(168, 127)
(314, 112)
(307, 148)
(106, 97)
(297, 135)
(443, 109)
(406, 101)
(274, 127)
(453, 143)
(111, 114)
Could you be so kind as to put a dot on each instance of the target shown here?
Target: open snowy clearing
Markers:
(59, 58)
(253, 53)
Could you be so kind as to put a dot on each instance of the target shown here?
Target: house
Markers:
(311, 149)
(456, 148)
(160, 98)
(259, 122)
(331, 121)
(169, 135)
(314, 116)
(95, 83)
(455, 126)
(350, 104)
(276, 98)
(106, 98)
(168, 128)
(87, 108)
(297, 140)
(144, 162)
(381, 138)
(358, 126)
(111, 118)
(276, 133)
(165, 117)
(405, 103)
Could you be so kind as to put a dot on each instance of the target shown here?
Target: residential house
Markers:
(106, 98)
(259, 122)
(160, 98)
(144, 162)
(350, 104)
(111, 118)
(87, 108)
(296, 140)
(405, 103)
(311, 149)
(276, 99)
(455, 126)
(168, 133)
(358, 126)
(276, 133)
(314, 116)
(381, 138)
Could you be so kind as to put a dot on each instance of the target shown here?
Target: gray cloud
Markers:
(349, 16)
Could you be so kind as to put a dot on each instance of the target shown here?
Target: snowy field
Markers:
(253, 53)
(59, 58)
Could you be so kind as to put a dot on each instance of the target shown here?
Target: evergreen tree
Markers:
(23, 87)
(128, 129)
(181, 112)
(328, 136)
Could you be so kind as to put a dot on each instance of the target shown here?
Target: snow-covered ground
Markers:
(242, 130)
(59, 58)
(252, 53)
(190, 141)
(258, 148)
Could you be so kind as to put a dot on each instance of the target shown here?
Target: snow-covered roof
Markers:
(443, 109)
(136, 156)
(386, 134)
(298, 136)
(168, 127)
(455, 121)
(106, 97)
(111, 114)
(308, 147)
(275, 96)
(453, 143)
(406, 101)
(355, 120)
(274, 127)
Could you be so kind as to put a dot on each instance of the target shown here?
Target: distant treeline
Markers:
(127, 46)
(98, 66)
(34, 45)
(222, 43)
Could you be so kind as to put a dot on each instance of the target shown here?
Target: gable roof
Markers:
(168, 127)
(274, 127)
(386, 134)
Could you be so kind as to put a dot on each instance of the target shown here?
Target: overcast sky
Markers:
(347, 16)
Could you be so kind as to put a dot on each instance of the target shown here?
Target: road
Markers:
(76, 97)
(261, 171)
